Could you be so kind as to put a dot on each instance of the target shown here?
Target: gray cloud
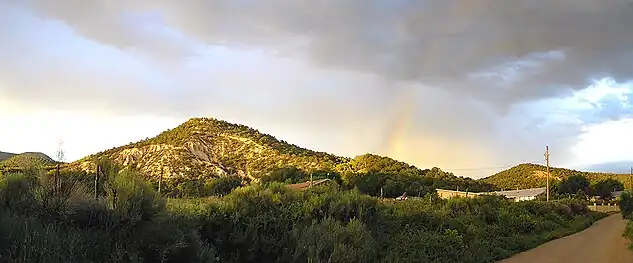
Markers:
(431, 42)
(614, 167)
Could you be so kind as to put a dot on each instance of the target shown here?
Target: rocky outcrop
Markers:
(206, 148)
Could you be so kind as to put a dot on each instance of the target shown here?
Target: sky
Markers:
(472, 87)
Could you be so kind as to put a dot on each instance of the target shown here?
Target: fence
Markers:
(604, 208)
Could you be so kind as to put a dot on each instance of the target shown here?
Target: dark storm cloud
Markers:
(433, 42)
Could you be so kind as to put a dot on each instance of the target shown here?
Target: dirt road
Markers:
(600, 243)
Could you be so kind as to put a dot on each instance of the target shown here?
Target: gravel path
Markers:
(600, 243)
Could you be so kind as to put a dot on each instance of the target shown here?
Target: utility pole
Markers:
(631, 177)
(547, 163)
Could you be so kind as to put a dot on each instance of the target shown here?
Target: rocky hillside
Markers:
(529, 175)
(206, 148)
(27, 159)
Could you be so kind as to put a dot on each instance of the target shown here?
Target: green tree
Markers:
(223, 185)
(626, 204)
(288, 174)
(575, 184)
(606, 187)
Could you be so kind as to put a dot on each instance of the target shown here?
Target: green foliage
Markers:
(331, 240)
(289, 175)
(223, 185)
(574, 184)
(55, 220)
(369, 173)
(129, 223)
(605, 188)
(628, 232)
(626, 204)
(27, 159)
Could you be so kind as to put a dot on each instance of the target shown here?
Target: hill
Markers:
(27, 159)
(408, 176)
(529, 175)
(5, 155)
(206, 148)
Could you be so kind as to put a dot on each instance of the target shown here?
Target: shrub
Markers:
(223, 185)
(60, 222)
(626, 204)
(333, 241)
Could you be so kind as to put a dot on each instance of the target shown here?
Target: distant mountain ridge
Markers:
(204, 148)
(528, 175)
(25, 159)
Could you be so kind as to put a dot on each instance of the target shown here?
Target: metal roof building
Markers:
(522, 194)
(517, 195)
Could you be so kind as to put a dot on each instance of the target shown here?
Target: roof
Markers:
(521, 193)
(509, 194)
(305, 185)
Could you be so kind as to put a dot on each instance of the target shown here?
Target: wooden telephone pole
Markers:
(547, 163)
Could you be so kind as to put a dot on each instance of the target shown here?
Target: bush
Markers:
(333, 241)
(223, 185)
(58, 221)
(626, 204)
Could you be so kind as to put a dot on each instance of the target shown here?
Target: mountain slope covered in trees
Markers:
(529, 175)
(204, 148)
(207, 148)
(25, 159)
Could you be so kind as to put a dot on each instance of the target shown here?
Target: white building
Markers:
(516, 195)
(522, 194)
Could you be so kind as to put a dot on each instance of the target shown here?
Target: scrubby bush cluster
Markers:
(48, 219)
(44, 218)
(626, 208)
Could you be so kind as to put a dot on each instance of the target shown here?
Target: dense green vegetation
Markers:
(18, 162)
(366, 173)
(579, 187)
(626, 208)
(27, 159)
(66, 219)
(534, 175)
